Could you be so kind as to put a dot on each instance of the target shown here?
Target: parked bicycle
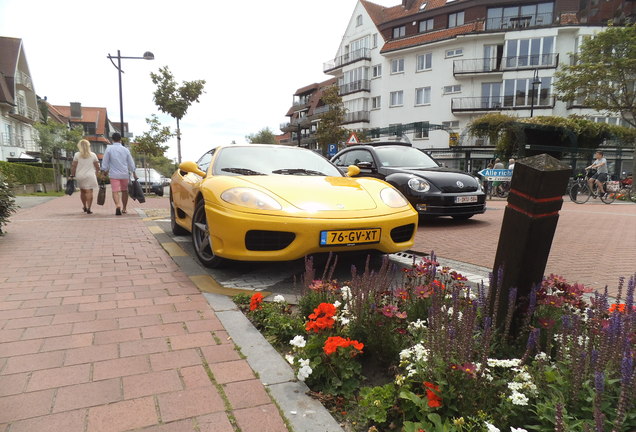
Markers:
(580, 191)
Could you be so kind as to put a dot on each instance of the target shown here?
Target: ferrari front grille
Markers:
(402, 233)
(258, 240)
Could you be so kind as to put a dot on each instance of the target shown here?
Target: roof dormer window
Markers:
(399, 32)
(358, 20)
(423, 6)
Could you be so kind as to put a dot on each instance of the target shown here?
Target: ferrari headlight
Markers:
(250, 198)
(393, 198)
(419, 184)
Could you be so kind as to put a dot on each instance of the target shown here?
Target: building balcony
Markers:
(356, 117)
(355, 86)
(25, 113)
(24, 80)
(293, 125)
(519, 22)
(343, 60)
(500, 65)
(485, 104)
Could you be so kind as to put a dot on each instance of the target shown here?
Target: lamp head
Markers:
(149, 56)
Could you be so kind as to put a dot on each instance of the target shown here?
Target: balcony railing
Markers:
(24, 80)
(355, 86)
(519, 22)
(26, 112)
(12, 140)
(356, 116)
(351, 57)
(493, 64)
(486, 103)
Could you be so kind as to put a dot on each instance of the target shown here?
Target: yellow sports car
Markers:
(259, 202)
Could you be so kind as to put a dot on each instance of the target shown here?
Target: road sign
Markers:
(496, 174)
(332, 149)
(353, 139)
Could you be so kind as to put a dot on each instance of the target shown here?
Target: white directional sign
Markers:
(496, 174)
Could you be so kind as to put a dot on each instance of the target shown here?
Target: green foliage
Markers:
(150, 142)
(25, 174)
(54, 137)
(263, 136)
(377, 402)
(7, 202)
(329, 128)
(172, 98)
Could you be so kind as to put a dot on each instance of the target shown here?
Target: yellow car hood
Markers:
(312, 193)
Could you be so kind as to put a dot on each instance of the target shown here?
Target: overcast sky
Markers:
(253, 54)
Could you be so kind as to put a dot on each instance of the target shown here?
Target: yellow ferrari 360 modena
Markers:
(259, 202)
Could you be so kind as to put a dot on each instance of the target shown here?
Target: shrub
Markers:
(25, 174)
(7, 202)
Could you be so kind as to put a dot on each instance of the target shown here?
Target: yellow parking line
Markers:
(173, 249)
(155, 229)
(207, 284)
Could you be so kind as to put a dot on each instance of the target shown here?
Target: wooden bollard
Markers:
(530, 219)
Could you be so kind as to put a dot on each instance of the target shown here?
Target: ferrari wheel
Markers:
(176, 228)
(201, 238)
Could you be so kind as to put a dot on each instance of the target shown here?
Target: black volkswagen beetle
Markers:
(431, 189)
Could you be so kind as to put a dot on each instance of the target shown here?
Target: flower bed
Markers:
(557, 363)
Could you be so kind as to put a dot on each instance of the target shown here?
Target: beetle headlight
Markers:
(250, 198)
(419, 184)
(393, 198)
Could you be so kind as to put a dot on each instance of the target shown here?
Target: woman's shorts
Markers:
(119, 185)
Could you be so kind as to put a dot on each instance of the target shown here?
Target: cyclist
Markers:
(600, 165)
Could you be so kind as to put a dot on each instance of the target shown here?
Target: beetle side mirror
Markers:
(352, 171)
(191, 167)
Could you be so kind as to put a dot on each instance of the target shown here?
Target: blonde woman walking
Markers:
(85, 168)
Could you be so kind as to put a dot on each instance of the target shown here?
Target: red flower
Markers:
(619, 307)
(322, 318)
(546, 322)
(255, 301)
(432, 391)
(334, 342)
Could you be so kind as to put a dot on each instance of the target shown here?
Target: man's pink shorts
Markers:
(119, 185)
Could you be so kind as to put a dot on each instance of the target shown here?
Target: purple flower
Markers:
(627, 369)
(599, 382)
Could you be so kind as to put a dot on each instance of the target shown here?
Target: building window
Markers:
(358, 20)
(421, 130)
(424, 62)
(455, 52)
(455, 19)
(397, 98)
(376, 71)
(376, 102)
(513, 17)
(522, 53)
(374, 40)
(452, 89)
(426, 25)
(423, 96)
(399, 32)
(397, 66)
(518, 92)
(453, 124)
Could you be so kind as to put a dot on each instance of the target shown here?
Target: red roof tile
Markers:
(433, 36)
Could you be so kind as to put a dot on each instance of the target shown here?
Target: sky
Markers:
(253, 55)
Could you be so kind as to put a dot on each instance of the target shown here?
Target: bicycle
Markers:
(502, 189)
(580, 191)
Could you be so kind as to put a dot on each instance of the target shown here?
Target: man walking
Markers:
(118, 163)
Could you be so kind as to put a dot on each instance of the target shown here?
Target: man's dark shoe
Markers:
(118, 211)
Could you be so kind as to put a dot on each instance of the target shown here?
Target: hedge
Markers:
(24, 174)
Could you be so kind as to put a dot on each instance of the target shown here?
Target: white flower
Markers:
(290, 359)
(343, 320)
(515, 386)
(514, 429)
(303, 362)
(504, 363)
(518, 398)
(337, 304)
(345, 292)
(298, 341)
(541, 356)
(279, 299)
(303, 373)
(492, 428)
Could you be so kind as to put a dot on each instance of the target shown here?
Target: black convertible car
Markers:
(431, 189)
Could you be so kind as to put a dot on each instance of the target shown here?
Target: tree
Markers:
(148, 145)
(55, 140)
(174, 99)
(329, 129)
(604, 75)
(264, 136)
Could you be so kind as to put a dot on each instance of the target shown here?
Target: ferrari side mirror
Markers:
(189, 166)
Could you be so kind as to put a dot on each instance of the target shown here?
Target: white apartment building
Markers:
(447, 62)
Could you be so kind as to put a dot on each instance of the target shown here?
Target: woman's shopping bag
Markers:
(70, 186)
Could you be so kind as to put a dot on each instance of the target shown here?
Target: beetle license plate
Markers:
(466, 199)
(350, 237)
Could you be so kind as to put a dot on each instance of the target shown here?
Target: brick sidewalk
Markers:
(101, 331)
(594, 243)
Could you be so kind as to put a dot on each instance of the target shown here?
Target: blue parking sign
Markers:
(332, 149)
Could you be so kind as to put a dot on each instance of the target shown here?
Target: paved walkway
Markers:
(101, 331)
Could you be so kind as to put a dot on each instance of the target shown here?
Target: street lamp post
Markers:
(535, 82)
(147, 56)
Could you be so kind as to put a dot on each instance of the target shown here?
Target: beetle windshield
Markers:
(268, 160)
(397, 156)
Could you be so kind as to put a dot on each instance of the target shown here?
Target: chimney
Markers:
(76, 110)
(407, 4)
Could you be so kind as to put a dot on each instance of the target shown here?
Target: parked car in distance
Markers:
(260, 202)
(151, 180)
(431, 189)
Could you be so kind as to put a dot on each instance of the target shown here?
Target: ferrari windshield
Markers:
(398, 156)
(269, 160)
